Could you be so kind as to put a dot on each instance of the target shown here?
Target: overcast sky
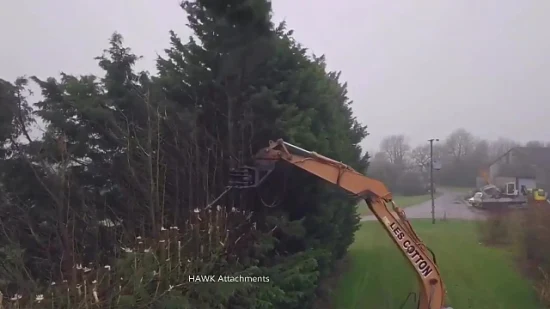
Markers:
(423, 68)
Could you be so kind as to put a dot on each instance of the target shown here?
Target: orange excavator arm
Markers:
(485, 175)
(377, 196)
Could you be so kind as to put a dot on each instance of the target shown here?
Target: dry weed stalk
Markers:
(174, 257)
(543, 287)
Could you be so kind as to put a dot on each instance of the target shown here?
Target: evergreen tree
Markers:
(280, 92)
(149, 152)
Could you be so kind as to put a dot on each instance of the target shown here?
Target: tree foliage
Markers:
(130, 160)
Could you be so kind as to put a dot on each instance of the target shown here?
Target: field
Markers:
(401, 201)
(476, 276)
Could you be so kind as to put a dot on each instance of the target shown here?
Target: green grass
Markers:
(401, 201)
(475, 276)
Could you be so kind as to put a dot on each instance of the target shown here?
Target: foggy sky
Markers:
(423, 68)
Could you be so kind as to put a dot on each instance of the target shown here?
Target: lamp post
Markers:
(432, 175)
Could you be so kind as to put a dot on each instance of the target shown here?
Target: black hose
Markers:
(433, 255)
(407, 299)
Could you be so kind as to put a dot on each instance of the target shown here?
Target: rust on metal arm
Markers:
(378, 197)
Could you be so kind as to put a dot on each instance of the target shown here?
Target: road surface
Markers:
(450, 205)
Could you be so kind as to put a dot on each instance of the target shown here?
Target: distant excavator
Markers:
(432, 290)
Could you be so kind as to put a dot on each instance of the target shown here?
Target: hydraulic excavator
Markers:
(378, 198)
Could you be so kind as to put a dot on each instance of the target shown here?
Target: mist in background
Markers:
(419, 68)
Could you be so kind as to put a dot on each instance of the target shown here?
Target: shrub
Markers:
(543, 287)
(537, 236)
(537, 248)
(528, 233)
(495, 231)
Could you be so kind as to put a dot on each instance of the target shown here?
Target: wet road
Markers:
(450, 205)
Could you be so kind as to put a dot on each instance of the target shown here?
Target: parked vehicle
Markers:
(476, 200)
(507, 196)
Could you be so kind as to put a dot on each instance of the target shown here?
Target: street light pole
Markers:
(432, 175)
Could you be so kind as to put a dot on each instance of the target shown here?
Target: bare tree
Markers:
(460, 144)
(396, 148)
(501, 146)
(379, 157)
(480, 153)
(420, 157)
(382, 169)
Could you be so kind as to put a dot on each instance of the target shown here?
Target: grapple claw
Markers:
(243, 177)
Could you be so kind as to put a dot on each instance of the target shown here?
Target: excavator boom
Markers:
(375, 193)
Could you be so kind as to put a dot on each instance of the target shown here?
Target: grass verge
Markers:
(401, 201)
(476, 276)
